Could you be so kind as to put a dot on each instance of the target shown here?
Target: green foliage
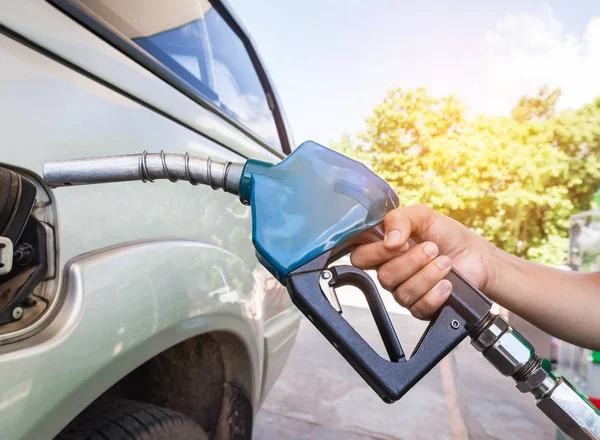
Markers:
(514, 180)
(541, 106)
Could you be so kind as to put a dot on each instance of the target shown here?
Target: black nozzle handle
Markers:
(391, 380)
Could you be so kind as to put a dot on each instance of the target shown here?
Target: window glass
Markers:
(192, 40)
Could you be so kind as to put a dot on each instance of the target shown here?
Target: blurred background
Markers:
(487, 111)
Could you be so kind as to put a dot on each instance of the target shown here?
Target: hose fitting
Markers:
(513, 356)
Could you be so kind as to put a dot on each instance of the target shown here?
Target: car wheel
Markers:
(121, 419)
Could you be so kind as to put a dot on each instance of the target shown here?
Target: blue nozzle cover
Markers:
(309, 203)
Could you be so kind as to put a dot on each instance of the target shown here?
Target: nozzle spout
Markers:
(146, 167)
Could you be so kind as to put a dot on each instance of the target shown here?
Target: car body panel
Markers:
(123, 306)
(157, 262)
(280, 336)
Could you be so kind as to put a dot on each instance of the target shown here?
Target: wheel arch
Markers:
(206, 378)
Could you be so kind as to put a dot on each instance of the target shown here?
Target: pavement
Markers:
(319, 396)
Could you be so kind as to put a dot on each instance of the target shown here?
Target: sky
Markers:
(332, 61)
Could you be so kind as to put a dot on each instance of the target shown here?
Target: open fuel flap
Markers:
(26, 251)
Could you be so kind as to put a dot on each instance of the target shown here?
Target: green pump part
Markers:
(309, 203)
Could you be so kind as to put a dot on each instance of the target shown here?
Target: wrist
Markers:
(496, 263)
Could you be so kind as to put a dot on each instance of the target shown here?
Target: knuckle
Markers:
(423, 309)
(429, 304)
(403, 297)
(420, 207)
(394, 217)
(394, 214)
(384, 278)
(429, 277)
(417, 312)
(415, 259)
(355, 259)
(381, 253)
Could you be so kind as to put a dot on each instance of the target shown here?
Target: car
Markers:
(132, 310)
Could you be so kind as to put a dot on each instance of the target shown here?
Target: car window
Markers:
(193, 41)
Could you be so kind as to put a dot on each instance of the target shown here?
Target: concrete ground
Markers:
(319, 396)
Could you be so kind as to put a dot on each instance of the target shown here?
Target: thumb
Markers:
(403, 222)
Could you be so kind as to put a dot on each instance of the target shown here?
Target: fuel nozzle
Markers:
(146, 167)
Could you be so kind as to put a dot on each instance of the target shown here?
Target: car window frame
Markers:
(158, 68)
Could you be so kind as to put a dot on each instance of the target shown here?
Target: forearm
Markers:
(565, 304)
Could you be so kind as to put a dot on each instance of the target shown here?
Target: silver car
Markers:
(133, 311)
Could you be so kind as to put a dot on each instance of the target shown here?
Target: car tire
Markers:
(121, 419)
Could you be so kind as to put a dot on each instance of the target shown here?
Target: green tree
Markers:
(576, 132)
(514, 180)
(537, 107)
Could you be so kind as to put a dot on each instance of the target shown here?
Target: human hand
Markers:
(415, 276)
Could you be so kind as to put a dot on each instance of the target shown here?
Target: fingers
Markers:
(409, 292)
(399, 269)
(370, 256)
(402, 222)
(429, 303)
(399, 225)
(416, 278)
